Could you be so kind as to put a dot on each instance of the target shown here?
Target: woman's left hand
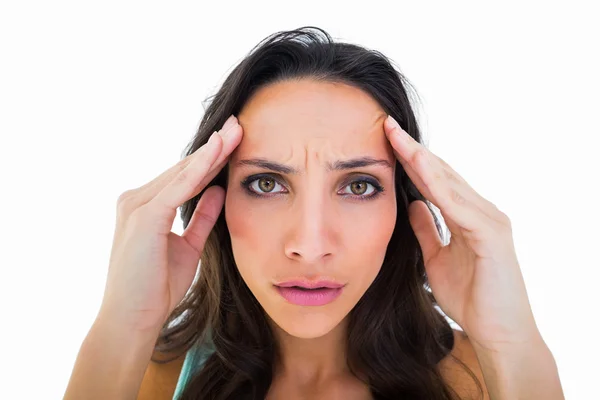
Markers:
(476, 278)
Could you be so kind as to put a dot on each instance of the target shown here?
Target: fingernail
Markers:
(393, 123)
(211, 139)
(228, 123)
(226, 134)
(395, 126)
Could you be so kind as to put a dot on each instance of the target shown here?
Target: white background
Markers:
(100, 97)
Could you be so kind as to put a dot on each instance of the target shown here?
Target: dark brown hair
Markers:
(396, 335)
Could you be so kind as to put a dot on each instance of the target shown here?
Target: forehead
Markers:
(284, 117)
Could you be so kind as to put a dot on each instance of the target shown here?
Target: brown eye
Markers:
(263, 186)
(363, 189)
(358, 187)
(266, 184)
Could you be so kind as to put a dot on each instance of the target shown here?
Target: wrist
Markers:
(125, 352)
(521, 371)
(113, 316)
(111, 362)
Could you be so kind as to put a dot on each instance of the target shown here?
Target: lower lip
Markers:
(311, 297)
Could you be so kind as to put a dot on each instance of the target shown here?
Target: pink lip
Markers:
(311, 284)
(310, 297)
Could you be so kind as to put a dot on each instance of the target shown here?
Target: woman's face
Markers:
(316, 222)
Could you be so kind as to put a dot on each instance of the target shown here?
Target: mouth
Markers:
(309, 297)
(311, 284)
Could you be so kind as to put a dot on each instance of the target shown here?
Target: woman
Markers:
(321, 276)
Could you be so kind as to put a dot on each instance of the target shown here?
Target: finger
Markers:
(460, 184)
(411, 147)
(185, 185)
(439, 184)
(151, 189)
(416, 179)
(231, 139)
(204, 217)
(425, 230)
(231, 136)
(214, 170)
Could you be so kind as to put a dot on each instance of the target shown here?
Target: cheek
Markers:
(234, 216)
(369, 238)
(239, 225)
(246, 220)
(372, 227)
(383, 226)
(247, 230)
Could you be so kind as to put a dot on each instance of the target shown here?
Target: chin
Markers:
(309, 324)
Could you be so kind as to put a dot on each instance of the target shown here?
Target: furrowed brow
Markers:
(266, 164)
(336, 166)
(357, 163)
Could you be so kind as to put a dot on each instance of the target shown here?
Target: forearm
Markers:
(520, 373)
(111, 363)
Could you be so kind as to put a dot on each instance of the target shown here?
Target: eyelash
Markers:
(378, 189)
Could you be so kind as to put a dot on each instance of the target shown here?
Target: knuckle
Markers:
(421, 155)
(187, 178)
(182, 164)
(506, 220)
(452, 176)
(126, 201)
(183, 176)
(503, 218)
(205, 218)
(125, 196)
(457, 197)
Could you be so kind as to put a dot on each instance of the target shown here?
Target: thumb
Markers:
(425, 230)
(204, 217)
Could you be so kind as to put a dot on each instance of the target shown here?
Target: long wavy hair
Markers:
(396, 333)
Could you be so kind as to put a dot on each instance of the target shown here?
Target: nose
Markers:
(311, 234)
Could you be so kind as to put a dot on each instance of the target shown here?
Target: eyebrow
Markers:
(339, 165)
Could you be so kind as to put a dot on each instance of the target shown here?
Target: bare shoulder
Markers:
(456, 375)
(160, 380)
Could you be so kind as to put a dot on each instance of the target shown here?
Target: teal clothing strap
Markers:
(193, 362)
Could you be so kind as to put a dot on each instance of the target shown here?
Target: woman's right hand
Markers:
(151, 268)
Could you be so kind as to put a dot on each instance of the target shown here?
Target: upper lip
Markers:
(311, 284)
